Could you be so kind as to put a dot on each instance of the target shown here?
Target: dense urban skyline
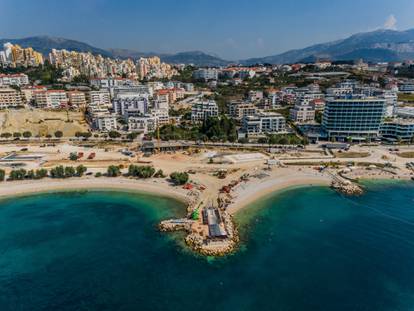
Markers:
(232, 30)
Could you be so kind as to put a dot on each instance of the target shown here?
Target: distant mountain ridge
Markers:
(45, 44)
(375, 46)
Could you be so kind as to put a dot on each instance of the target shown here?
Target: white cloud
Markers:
(391, 23)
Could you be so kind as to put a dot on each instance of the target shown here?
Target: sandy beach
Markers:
(155, 187)
(247, 194)
(244, 195)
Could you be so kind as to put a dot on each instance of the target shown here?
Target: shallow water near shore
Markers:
(302, 249)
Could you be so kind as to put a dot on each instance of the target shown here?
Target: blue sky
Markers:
(232, 29)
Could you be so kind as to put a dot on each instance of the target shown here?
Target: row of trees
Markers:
(178, 178)
(67, 171)
(27, 134)
(283, 139)
(56, 172)
(21, 174)
(59, 134)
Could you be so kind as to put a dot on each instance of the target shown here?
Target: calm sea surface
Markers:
(302, 249)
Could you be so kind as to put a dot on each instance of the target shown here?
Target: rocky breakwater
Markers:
(170, 225)
(216, 246)
(347, 187)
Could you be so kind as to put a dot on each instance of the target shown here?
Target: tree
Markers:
(132, 136)
(17, 174)
(69, 171)
(27, 134)
(86, 135)
(30, 174)
(80, 170)
(159, 174)
(113, 171)
(73, 156)
(58, 134)
(2, 175)
(141, 171)
(179, 178)
(17, 135)
(57, 172)
(263, 140)
(41, 173)
(6, 135)
(114, 134)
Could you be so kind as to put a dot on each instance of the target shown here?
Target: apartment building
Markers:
(239, 109)
(203, 109)
(103, 121)
(398, 130)
(51, 99)
(206, 74)
(96, 99)
(303, 112)
(19, 79)
(131, 106)
(264, 123)
(77, 99)
(10, 98)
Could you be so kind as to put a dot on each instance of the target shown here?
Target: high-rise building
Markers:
(353, 118)
(15, 56)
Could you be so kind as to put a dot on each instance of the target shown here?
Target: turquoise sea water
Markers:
(302, 249)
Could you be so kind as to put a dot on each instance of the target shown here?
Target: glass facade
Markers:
(353, 118)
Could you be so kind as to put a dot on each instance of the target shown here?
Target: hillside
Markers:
(375, 46)
(380, 45)
(45, 44)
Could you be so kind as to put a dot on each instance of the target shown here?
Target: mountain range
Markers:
(374, 46)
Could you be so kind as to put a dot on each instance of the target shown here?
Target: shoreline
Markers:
(26, 188)
(245, 194)
(252, 193)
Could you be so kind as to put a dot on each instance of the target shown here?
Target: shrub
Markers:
(113, 171)
(17, 174)
(2, 175)
(41, 173)
(69, 171)
(58, 134)
(179, 178)
(114, 134)
(132, 136)
(6, 135)
(57, 172)
(159, 174)
(73, 156)
(141, 171)
(30, 174)
(80, 170)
